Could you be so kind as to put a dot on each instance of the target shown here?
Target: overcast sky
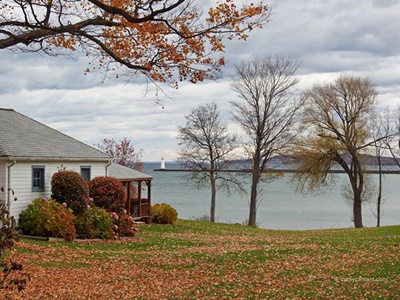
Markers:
(360, 37)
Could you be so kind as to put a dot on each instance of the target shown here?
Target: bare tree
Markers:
(123, 152)
(392, 142)
(267, 112)
(207, 150)
(337, 115)
(382, 134)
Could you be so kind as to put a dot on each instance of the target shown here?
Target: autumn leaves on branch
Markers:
(167, 41)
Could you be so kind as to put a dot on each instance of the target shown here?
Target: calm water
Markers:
(281, 207)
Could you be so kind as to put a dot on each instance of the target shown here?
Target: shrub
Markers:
(47, 218)
(108, 193)
(163, 214)
(69, 187)
(95, 223)
(125, 225)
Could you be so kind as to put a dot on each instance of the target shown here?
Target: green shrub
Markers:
(48, 218)
(69, 187)
(95, 223)
(163, 214)
(108, 193)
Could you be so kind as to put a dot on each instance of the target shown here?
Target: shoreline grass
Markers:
(202, 260)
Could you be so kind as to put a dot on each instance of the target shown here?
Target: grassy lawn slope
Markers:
(200, 260)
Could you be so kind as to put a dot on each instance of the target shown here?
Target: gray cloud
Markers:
(326, 37)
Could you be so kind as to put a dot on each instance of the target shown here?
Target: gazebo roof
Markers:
(127, 174)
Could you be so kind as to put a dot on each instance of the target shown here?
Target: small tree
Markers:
(337, 116)
(69, 187)
(392, 142)
(267, 112)
(378, 148)
(207, 149)
(123, 153)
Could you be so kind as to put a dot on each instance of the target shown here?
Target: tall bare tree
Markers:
(267, 111)
(207, 149)
(337, 115)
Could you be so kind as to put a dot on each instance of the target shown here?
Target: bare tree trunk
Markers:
(379, 201)
(253, 195)
(213, 197)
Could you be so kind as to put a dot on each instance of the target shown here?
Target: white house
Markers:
(31, 152)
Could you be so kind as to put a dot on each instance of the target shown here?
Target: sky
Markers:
(327, 38)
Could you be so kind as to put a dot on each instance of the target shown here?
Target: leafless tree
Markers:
(267, 110)
(392, 142)
(207, 150)
(382, 134)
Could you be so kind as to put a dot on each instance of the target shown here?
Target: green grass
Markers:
(202, 260)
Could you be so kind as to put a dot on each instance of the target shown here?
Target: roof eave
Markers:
(37, 158)
(135, 179)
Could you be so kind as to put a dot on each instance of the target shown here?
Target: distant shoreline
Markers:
(275, 171)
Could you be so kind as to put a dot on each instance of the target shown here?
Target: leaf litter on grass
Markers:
(202, 264)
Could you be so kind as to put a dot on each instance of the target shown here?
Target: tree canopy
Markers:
(166, 40)
(267, 110)
(337, 115)
(122, 152)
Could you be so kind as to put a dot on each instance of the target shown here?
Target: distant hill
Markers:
(370, 160)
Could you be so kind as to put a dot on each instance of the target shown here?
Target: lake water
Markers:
(281, 206)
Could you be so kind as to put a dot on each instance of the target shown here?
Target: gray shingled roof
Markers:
(121, 172)
(23, 137)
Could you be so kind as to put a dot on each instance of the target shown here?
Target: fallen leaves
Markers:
(212, 264)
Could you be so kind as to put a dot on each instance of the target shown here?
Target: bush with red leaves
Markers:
(108, 193)
(69, 187)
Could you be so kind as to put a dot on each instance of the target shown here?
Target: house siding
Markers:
(21, 180)
(3, 182)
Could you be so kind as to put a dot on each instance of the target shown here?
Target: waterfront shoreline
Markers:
(275, 171)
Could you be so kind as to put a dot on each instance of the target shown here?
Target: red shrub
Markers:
(108, 193)
(69, 187)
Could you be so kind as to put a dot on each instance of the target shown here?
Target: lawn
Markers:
(201, 260)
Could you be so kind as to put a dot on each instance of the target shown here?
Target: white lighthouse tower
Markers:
(162, 163)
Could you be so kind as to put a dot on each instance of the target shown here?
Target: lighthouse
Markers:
(162, 163)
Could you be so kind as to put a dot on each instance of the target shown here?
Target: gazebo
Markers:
(137, 204)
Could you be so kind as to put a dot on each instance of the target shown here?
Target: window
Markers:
(38, 178)
(85, 172)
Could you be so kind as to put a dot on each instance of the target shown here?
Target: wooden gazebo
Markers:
(137, 203)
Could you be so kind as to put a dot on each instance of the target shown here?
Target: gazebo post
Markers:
(139, 198)
(128, 197)
(149, 191)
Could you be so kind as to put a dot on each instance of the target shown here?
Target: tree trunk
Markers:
(357, 211)
(213, 197)
(379, 202)
(253, 194)
(357, 183)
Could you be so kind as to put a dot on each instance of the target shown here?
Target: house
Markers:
(31, 152)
